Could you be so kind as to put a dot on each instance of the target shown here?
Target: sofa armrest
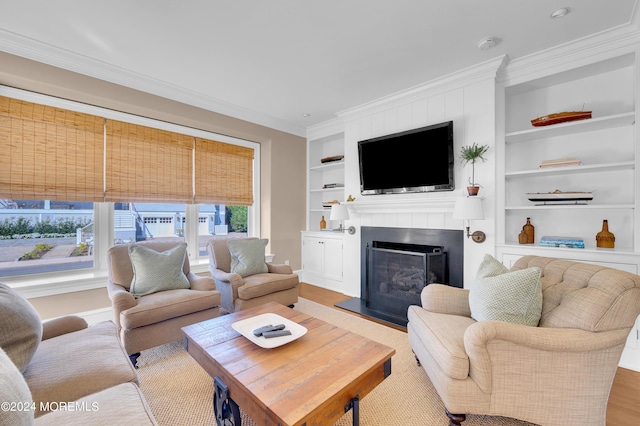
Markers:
(121, 300)
(63, 325)
(497, 346)
(278, 268)
(227, 284)
(444, 299)
(201, 283)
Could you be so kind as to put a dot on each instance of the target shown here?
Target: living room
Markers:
(478, 99)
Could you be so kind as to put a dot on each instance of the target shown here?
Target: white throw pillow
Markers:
(157, 271)
(501, 295)
(247, 256)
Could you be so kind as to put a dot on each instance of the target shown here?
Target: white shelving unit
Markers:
(606, 144)
(321, 175)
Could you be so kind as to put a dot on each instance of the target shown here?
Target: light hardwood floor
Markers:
(624, 401)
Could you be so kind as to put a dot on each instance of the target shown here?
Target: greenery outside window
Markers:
(39, 236)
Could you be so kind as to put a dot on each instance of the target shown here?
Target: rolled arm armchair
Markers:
(157, 318)
(558, 372)
(279, 284)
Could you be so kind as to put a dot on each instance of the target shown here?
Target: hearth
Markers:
(397, 263)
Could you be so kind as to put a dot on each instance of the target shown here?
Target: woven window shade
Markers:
(146, 164)
(224, 173)
(49, 153)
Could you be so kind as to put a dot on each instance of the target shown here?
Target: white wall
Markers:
(468, 99)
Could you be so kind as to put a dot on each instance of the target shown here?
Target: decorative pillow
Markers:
(501, 295)
(20, 327)
(154, 271)
(247, 256)
(13, 388)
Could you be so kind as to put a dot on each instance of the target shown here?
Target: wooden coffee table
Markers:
(312, 380)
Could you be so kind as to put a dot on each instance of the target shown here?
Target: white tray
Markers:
(246, 327)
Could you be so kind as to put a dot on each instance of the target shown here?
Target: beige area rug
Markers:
(179, 392)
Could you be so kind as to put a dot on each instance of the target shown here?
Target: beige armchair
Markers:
(279, 284)
(558, 373)
(155, 319)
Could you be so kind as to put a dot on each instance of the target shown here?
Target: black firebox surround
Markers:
(452, 240)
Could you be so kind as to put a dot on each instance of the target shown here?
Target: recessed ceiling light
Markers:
(560, 13)
(486, 43)
(306, 115)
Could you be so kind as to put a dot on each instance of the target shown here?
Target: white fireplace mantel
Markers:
(402, 205)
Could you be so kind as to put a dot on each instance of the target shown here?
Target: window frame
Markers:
(51, 283)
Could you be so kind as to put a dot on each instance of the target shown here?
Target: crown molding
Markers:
(479, 72)
(583, 51)
(326, 128)
(51, 55)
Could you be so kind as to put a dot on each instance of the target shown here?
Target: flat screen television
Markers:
(418, 160)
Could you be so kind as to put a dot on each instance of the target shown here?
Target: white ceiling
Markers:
(271, 61)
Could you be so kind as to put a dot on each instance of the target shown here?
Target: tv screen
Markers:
(419, 160)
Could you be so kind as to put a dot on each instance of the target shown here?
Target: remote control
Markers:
(276, 333)
(259, 331)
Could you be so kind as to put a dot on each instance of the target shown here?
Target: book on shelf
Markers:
(560, 162)
(567, 242)
(331, 159)
(332, 185)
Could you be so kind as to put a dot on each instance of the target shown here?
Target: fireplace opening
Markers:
(397, 273)
(397, 263)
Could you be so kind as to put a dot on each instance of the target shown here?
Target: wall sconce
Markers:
(470, 208)
(340, 212)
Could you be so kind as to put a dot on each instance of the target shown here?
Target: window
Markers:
(220, 222)
(45, 236)
(93, 150)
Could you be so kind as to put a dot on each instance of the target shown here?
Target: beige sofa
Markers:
(64, 372)
(558, 373)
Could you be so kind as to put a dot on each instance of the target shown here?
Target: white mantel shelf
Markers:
(402, 205)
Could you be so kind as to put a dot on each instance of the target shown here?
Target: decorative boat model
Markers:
(560, 196)
(560, 117)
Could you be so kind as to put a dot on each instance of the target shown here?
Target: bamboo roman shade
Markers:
(222, 162)
(146, 164)
(49, 153)
(55, 154)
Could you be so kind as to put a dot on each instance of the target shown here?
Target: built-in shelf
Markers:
(585, 168)
(573, 251)
(339, 188)
(570, 206)
(324, 145)
(329, 166)
(606, 143)
(571, 127)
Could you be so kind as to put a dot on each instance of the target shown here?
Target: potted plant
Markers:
(470, 154)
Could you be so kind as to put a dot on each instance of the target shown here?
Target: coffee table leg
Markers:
(354, 405)
(225, 409)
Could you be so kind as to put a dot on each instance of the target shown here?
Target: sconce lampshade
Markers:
(339, 212)
(468, 208)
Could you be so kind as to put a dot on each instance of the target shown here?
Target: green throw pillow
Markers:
(247, 256)
(498, 294)
(154, 271)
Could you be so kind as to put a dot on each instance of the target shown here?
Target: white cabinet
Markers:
(322, 259)
(605, 145)
(325, 181)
